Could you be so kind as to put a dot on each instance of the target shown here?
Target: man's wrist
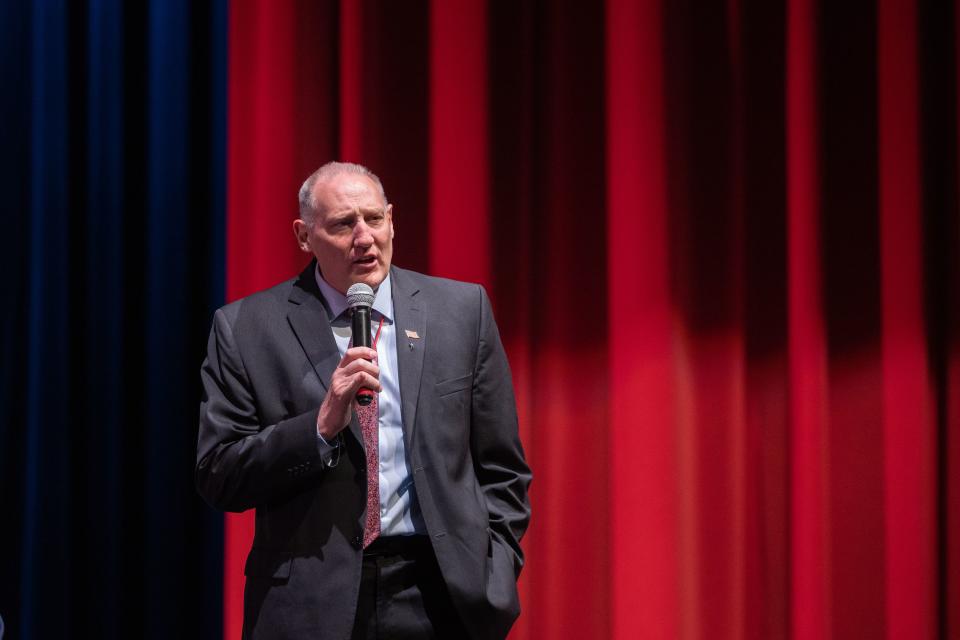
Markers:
(331, 441)
(328, 446)
(323, 420)
(324, 434)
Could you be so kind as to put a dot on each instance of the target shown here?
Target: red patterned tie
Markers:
(369, 417)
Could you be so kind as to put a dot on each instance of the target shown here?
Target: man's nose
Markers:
(362, 235)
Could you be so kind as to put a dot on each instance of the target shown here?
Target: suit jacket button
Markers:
(357, 542)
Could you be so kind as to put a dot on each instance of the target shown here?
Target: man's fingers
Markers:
(357, 370)
(363, 380)
(358, 353)
(353, 381)
(359, 365)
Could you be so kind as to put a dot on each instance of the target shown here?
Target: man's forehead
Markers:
(347, 184)
(348, 191)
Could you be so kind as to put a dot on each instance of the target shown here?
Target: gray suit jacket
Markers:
(269, 361)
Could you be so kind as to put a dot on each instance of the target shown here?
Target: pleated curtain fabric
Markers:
(721, 243)
(721, 240)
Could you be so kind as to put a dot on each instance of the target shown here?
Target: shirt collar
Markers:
(337, 302)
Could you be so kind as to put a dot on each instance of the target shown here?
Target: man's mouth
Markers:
(365, 260)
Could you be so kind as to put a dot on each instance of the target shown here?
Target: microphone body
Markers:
(360, 327)
(360, 298)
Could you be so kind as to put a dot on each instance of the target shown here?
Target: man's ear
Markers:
(301, 232)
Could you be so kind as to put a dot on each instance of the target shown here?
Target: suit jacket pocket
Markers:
(502, 577)
(263, 563)
(453, 385)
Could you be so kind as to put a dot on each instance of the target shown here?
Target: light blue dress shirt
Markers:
(399, 510)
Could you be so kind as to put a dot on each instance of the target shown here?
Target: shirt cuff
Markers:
(329, 451)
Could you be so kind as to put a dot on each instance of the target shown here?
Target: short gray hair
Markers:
(308, 210)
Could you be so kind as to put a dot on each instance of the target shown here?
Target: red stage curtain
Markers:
(722, 242)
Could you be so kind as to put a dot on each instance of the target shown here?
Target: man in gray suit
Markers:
(279, 432)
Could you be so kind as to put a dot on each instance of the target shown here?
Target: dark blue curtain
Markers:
(112, 144)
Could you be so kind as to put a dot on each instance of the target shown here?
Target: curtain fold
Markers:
(112, 169)
(720, 246)
(722, 241)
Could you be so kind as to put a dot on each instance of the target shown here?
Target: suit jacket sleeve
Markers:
(498, 455)
(240, 462)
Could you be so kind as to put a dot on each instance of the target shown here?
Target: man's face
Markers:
(352, 232)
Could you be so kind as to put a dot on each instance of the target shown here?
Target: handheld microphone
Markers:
(360, 299)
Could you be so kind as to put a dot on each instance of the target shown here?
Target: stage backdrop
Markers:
(112, 138)
(722, 244)
(722, 241)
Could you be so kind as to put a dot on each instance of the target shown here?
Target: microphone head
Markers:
(360, 295)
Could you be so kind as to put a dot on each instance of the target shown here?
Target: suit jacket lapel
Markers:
(308, 319)
(410, 311)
